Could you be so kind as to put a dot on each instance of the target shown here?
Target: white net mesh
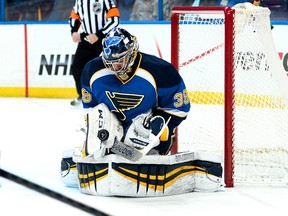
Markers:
(260, 85)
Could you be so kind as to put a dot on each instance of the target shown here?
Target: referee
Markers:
(90, 21)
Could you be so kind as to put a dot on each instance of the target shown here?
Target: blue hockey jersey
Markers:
(153, 84)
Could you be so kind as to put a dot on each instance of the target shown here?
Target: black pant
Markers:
(84, 53)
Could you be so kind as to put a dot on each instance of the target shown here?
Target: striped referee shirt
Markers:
(94, 16)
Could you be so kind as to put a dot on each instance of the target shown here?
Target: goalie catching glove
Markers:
(102, 129)
(145, 129)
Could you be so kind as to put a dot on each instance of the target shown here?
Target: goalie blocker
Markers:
(152, 175)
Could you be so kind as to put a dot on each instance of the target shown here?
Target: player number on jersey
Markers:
(181, 98)
(86, 96)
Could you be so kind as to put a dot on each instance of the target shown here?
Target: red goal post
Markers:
(228, 61)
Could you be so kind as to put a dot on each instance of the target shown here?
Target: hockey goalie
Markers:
(134, 103)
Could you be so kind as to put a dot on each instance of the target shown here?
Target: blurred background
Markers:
(157, 10)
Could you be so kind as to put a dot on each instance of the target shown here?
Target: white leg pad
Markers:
(69, 172)
(152, 175)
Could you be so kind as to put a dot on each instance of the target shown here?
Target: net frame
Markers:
(229, 62)
(229, 15)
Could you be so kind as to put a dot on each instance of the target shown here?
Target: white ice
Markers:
(33, 133)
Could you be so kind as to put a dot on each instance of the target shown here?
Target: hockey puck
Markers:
(103, 134)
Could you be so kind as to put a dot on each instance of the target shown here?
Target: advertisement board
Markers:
(36, 59)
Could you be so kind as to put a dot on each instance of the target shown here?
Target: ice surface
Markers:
(33, 133)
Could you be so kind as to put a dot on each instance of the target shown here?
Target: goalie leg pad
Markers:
(114, 175)
(209, 179)
(69, 173)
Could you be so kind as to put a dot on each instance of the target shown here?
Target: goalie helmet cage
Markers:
(237, 88)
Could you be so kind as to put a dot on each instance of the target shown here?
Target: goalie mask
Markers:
(119, 51)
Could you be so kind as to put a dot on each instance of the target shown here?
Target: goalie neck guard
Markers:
(119, 51)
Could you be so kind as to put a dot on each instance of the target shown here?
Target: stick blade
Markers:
(126, 151)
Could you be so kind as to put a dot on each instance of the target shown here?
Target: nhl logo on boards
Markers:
(96, 7)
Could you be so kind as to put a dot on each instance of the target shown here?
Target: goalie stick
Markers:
(132, 153)
(51, 193)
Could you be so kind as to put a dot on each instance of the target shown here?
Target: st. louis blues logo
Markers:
(123, 102)
(111, 42)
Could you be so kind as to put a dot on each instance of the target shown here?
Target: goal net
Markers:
(238, 90)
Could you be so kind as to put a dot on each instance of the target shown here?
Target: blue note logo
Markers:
(123, 102)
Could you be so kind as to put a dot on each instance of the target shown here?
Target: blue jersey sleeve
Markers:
(174, 104)
(88, 98)
(173, 98)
